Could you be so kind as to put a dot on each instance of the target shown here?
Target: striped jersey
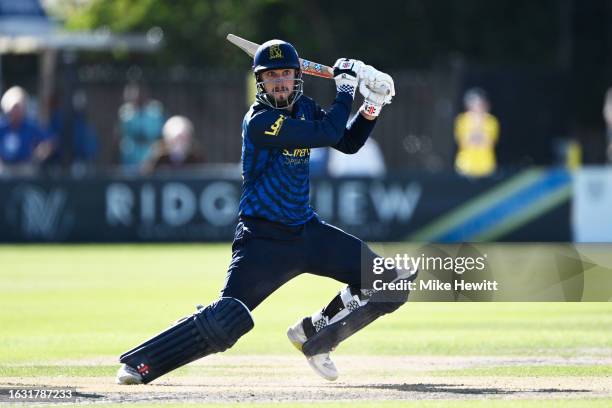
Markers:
(276, 147)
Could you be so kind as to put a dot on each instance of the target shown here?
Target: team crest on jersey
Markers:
(275, 52)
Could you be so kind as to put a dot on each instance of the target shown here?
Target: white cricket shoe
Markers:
(320, 363)
(126, 375)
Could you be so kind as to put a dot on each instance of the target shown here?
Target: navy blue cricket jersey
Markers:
(276, 147)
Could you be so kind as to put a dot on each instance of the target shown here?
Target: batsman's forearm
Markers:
(355, 135)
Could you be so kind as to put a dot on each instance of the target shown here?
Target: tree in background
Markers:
(564, 36)
(194, 30)
(393, 34)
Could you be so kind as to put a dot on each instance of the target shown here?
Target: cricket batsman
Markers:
(279, 235)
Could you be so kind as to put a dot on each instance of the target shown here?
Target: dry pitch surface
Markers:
(231, 379)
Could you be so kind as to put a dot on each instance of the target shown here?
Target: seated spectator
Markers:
(476, 133)
(84, 147)
(140, 120)
(23, 144)
(367, 162)
(176, 150)
(85, 142)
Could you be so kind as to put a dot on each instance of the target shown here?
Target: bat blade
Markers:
(308, 67)
(245, 45)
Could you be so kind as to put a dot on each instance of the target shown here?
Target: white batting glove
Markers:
(373, 80)
(377, 88)
(346, 74)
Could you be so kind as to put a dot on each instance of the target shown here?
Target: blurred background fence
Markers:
(417, 130)
(99, 80)
(414, 133)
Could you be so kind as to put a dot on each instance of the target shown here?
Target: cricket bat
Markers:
(308, 67)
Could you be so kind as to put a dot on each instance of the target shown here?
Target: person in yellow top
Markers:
(476, 133)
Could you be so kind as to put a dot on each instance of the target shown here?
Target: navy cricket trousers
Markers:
(265, 255)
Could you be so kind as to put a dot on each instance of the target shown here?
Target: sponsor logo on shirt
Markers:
(276, 126)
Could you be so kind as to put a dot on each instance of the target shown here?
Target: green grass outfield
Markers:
(79, 302)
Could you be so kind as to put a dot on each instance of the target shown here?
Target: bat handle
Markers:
(313, 68)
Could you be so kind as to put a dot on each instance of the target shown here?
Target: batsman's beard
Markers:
(281, 94)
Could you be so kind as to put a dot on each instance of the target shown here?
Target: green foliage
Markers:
(390, 34)
(194, 30)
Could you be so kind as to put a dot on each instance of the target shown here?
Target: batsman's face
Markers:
(279, 83)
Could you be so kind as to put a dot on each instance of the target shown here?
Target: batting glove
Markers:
(346, 74)
(377, 89)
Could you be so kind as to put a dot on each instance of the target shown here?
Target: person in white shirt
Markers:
(367, 162)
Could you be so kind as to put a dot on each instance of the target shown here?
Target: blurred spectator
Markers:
(176, 150)
(140, 120)
(84, 148)
(573, 158)
(476, 133)
(569, 153)
(367, 162)
(23, 143)
(607, 113)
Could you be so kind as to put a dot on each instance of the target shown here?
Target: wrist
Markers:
(345, 99)
(370, 110)
(348, 87)
(367, 116)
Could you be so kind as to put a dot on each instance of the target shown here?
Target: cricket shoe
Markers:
(320, 363)
(127, 375)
